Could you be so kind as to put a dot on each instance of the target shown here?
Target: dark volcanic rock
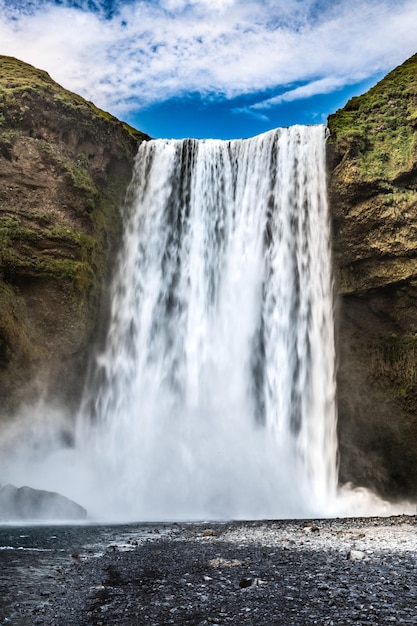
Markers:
(25, 503)
(64, 169)
(184, 578)
(373, 194)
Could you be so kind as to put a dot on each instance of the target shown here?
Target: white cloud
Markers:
(210, 5)
(151, 51)
(315, 87)
(250, 110)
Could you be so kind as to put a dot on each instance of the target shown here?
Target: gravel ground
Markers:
(340, 572)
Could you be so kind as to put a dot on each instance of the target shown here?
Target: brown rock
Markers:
(373, 196)
(64, 169)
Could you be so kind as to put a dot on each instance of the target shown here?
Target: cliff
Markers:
(372, 159)
(64, 169)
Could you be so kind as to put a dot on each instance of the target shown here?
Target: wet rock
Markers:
(311, 528)
(356, 555)
(162, 580)
(373, 194)
(244, 583)
(222, 562)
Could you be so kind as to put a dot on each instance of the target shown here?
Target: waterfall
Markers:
(215, 394)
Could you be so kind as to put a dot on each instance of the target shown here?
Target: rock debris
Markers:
(343, 571)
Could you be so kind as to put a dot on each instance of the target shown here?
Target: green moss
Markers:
(78, 273)
(20, 255)
(72, 237)
(78, 172)
(13, 229)
(8, 137)
(20, 83)
(81, 179)
(378, 128)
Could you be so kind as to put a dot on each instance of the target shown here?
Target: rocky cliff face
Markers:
(64, 169)
(373, 194)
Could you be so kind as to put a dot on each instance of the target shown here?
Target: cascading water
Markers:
(215, 394)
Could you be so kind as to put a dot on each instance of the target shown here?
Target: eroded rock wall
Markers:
(372, 154)
(64, 169)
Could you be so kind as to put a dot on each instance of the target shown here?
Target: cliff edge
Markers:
(64, 169)
(372, 161)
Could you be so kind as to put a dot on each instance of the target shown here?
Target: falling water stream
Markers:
(215, 394)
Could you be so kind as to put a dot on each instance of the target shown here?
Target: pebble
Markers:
(247, 573)
(246, 582)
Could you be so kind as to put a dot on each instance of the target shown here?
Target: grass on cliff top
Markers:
(17, 77)
(379, 128)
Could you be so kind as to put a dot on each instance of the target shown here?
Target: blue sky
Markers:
(212, 68)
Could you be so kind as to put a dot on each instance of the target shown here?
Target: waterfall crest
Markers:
(215, 394)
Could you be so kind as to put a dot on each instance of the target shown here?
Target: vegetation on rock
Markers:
(378, 130)
(372, 156)
(64, 169)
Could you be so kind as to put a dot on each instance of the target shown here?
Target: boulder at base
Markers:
(25, 503)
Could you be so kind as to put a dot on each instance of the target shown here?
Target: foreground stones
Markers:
(25, 503)
(263, 573)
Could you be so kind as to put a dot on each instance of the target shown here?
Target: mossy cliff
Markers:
(372, 158)
(64, 169)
